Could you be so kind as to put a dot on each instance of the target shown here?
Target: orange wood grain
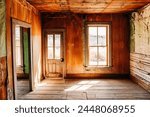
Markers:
(23, 11)
(74, 27)
(88, 6)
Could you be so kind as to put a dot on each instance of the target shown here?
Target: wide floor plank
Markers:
(83, 89)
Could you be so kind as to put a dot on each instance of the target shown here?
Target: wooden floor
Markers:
(22, 87)
(59, 89)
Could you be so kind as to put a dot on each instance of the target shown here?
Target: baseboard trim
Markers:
(95, 76)
(140, 81)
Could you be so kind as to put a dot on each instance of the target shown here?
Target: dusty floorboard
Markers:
(91, 89)
(22, 87)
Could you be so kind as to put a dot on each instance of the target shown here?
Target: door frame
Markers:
(45, 32)
(25, 25)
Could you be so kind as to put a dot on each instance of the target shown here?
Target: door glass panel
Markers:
(57, 39)
(92, 55)
(57, 46)
(50, 40)
(50, 46)
(102, 56)
(54, 46)
(92, 36)
(57, 52)
(50, 52)
(102, 36)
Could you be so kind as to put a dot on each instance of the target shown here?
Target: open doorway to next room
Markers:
(21, 58)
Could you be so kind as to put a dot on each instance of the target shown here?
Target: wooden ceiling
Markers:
(88, 6)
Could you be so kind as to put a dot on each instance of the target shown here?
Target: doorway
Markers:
(54, 54)
(22, 54)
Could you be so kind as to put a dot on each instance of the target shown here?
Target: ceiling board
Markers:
(88, 6)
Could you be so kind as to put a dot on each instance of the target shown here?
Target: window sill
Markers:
(94, 68)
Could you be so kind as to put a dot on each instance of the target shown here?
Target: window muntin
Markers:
(98, 45)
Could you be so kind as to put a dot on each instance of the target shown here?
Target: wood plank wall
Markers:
(23, 11)
(75, 31)
(3, 79)
(140, 47)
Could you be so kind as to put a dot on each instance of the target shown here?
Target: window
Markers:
(98, 45)
(18, 46)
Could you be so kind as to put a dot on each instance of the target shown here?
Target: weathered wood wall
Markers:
(37, 47)
(75, 30)
(140, 47)
(23, 11)
(2, 28)
(3, 79)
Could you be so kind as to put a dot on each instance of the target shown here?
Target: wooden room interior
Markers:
(74, 49)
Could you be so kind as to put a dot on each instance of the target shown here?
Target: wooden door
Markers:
(54, 54)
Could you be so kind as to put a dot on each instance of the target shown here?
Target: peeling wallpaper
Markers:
(140, 31)
(2, 29)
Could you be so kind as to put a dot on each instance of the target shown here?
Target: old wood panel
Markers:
(3, 29)
(3, 71)
(140, 69)
(9, 52)
(3, 79)
(74, 44)
(23, 11)
(88, 6)
(37, 46)
(75, 36)
(140, 62)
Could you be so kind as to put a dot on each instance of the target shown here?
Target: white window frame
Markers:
(108, 44)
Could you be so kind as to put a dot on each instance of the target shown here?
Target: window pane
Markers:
(50, 53)
(93, 36)
(50, 40)
(18, 45)
(17, 32)
(102, 58)
(102, 36)
(18, 56)
(92, 55)
(57, 39)
(57, 52)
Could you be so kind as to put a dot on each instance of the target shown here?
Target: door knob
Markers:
(62, 59)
